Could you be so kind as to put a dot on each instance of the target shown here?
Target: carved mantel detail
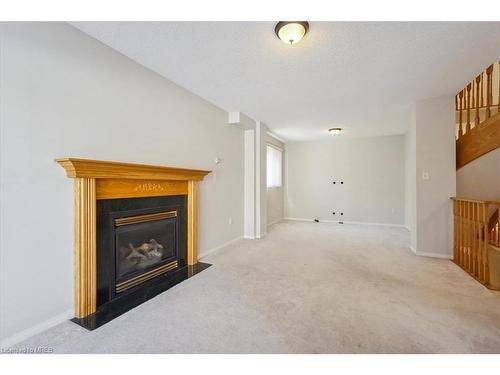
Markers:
(149, 186)
(96, 179)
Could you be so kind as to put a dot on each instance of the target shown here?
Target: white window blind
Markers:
(274, 165)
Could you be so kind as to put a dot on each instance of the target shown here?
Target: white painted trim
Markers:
(276, 137)
(272, 145)
(429, 255)
(215, 249)
(248, 237)
(274, 222)
(258, 177)
(240, 120)
(38, 328)
(233, 118)
(346, 222)
(376, 224)
(433, 255)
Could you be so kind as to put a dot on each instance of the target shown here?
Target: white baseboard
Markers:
(433, 255)
(429, 255)
(274, 222)
(249, 237)
(346, 222)
(206, 253)
(43, 326)
(375, 224)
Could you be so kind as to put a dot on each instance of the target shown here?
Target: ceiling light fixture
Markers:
(291, 32)
(334, 131)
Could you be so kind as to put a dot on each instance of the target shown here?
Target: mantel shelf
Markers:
(86, 168)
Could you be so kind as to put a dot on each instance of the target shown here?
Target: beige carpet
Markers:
(306, 288)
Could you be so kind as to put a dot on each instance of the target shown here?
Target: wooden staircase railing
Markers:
(476, 235)
(478, 116)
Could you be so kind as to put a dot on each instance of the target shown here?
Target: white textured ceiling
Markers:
(361, 76)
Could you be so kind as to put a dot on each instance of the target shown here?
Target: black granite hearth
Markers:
(118, 306)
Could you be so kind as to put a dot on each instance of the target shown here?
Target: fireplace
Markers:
(138, 241)
(135, 234)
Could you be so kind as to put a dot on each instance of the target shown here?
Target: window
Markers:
(274, 165)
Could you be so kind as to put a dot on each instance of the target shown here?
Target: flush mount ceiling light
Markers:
(334, 131)
(291, 32)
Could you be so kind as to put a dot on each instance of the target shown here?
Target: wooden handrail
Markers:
(475, 200)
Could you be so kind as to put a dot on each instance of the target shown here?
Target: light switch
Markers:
(425, 175)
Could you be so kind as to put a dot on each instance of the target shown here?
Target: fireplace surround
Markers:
(135, 234)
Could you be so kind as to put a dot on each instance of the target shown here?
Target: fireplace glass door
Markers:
(145, 247)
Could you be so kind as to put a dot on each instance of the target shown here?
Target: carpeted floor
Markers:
(306, 288)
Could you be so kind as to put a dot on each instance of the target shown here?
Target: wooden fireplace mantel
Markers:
(87, 168)
(97, 179)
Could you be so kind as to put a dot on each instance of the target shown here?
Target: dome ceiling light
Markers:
(291, 32)
(334, 131)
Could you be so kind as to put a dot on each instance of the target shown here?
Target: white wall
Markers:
(372, 170)
(411, 179)
(435, 156)
(275, 197)
(65, 94)
(480, 179)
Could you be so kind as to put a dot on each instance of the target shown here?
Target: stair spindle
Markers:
(498, 105)
(467, 128)
(486, 269)
(482, 89)
(489, 91)
(478, 119)
(460, 130)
